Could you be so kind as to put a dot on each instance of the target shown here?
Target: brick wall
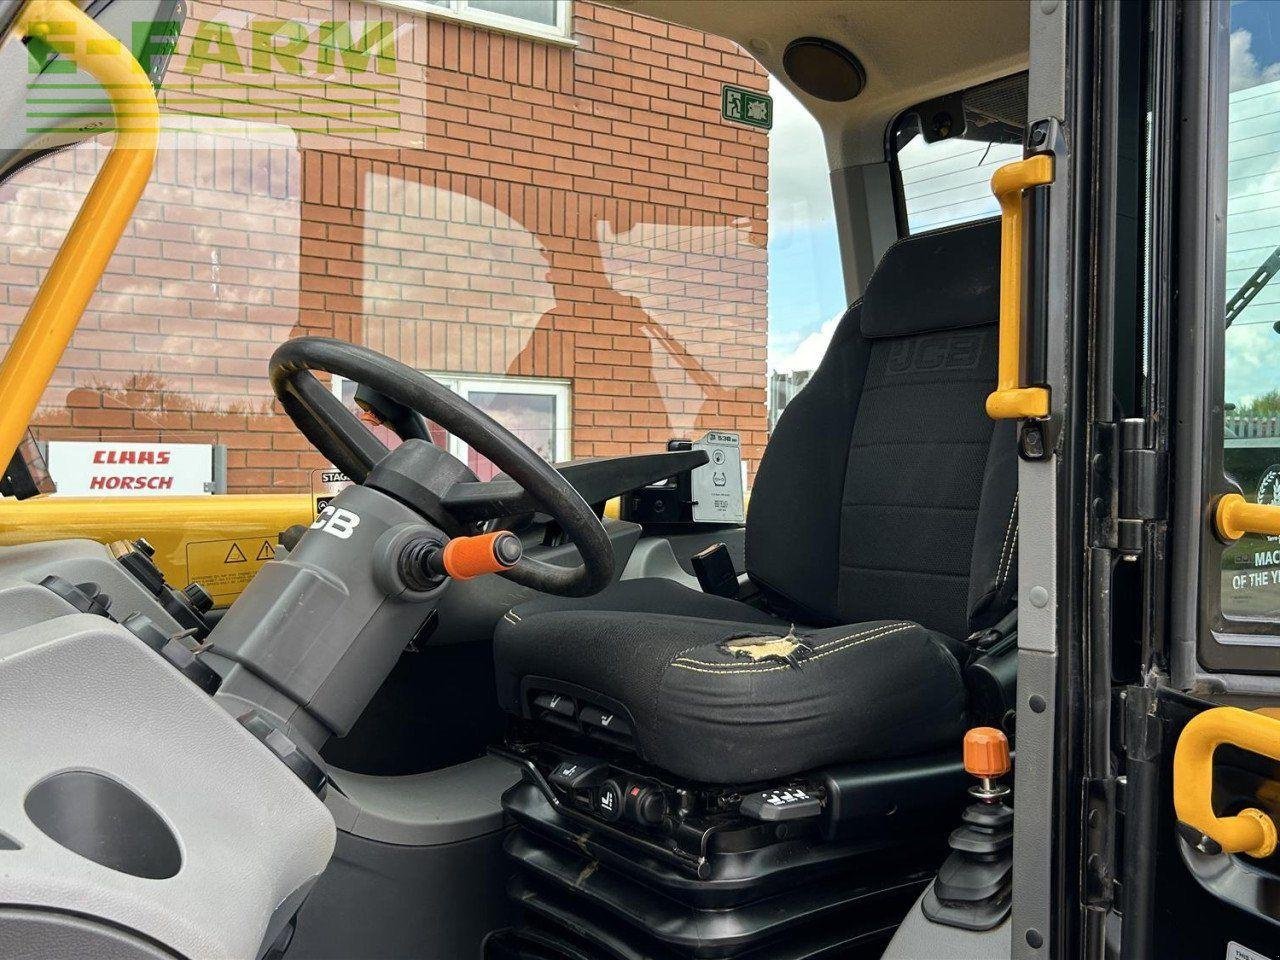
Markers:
(529, 210)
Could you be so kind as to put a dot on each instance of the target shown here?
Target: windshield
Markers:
(560, 210)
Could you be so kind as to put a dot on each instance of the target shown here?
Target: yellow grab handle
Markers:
(1235, 516)
(1250, 831)
(1010, 401)
(61, 300)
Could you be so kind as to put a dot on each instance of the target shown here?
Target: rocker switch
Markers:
(776, 806)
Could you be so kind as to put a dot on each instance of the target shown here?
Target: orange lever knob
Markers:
(986, 752)
(467, 557)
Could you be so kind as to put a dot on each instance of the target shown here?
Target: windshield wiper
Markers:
(1253, 286)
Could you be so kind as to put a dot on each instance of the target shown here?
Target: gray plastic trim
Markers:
(653, 557)
(1037, 529)
(444, 806)
(81, 693)
(101, 819)
(23, 603)
(866, 218)
(34, 934)
(83, 561)
(919, 937)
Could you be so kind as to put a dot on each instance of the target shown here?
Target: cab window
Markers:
(944, 152)
(1251, 307)
(572, 235)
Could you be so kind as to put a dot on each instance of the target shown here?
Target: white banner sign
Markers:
(96, 468)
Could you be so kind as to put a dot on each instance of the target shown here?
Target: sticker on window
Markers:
(1237, 952)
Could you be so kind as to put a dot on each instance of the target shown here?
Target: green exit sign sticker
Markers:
(746, 106)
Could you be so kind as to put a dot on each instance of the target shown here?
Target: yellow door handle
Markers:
(54, 313)
(1250, 831)
(1235, 516)
(1010, 400)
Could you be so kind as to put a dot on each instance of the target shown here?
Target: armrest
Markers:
(596, 479)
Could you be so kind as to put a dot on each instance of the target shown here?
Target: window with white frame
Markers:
(535, 409)
(548, 19)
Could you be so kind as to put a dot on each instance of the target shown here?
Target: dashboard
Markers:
(129, 795)
(158, 746)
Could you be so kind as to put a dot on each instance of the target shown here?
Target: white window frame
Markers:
(461, 11)
(463, 385)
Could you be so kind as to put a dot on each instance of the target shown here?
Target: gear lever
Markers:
(974, 886)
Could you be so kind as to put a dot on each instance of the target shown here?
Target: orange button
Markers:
(986, 752)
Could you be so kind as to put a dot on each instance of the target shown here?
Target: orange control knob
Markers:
(986, 752)
(467, 557)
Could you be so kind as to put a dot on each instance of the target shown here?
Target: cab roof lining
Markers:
(911, 52)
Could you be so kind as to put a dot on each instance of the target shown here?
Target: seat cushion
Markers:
(720, 692)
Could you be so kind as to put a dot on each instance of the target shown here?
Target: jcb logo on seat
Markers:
(341, 523)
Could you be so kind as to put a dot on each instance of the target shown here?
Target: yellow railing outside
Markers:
(217, 540)
(82, 258)
(1010, 400)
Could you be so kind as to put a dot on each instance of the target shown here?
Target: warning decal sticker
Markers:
(224, 567)
(1236, 951)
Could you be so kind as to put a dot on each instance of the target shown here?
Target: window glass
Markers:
(539, 11)
(945, 176)
(572, 237)
(545, 18)
(530, 416)
(806, 281)
(1251, 383)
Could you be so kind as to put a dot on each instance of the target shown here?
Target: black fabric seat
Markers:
(881, 531)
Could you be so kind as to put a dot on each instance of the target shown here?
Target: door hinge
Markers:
(1130, 484)
(1100, 800)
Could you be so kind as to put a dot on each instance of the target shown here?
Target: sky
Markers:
(806, 288)
(945, 182)
(1253, 196)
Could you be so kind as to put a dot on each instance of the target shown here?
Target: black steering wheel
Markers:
(338, 434)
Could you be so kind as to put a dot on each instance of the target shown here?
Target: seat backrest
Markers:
(885, 490)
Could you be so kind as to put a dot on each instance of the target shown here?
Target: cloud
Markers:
(1253, 357)
(1245, 69)
(809, 352)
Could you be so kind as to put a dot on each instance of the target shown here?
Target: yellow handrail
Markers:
(1250, 831)
(72, 279)
(1010, 401)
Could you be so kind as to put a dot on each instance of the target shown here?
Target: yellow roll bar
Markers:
(1010, 400)
(72, 279)
(1250, 831)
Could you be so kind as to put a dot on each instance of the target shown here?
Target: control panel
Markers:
(611, 795)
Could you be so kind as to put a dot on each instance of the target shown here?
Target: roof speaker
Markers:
(824, 69)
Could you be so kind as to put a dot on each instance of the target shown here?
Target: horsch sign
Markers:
(107, 468)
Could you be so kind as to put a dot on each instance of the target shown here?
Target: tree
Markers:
(1263, 405)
